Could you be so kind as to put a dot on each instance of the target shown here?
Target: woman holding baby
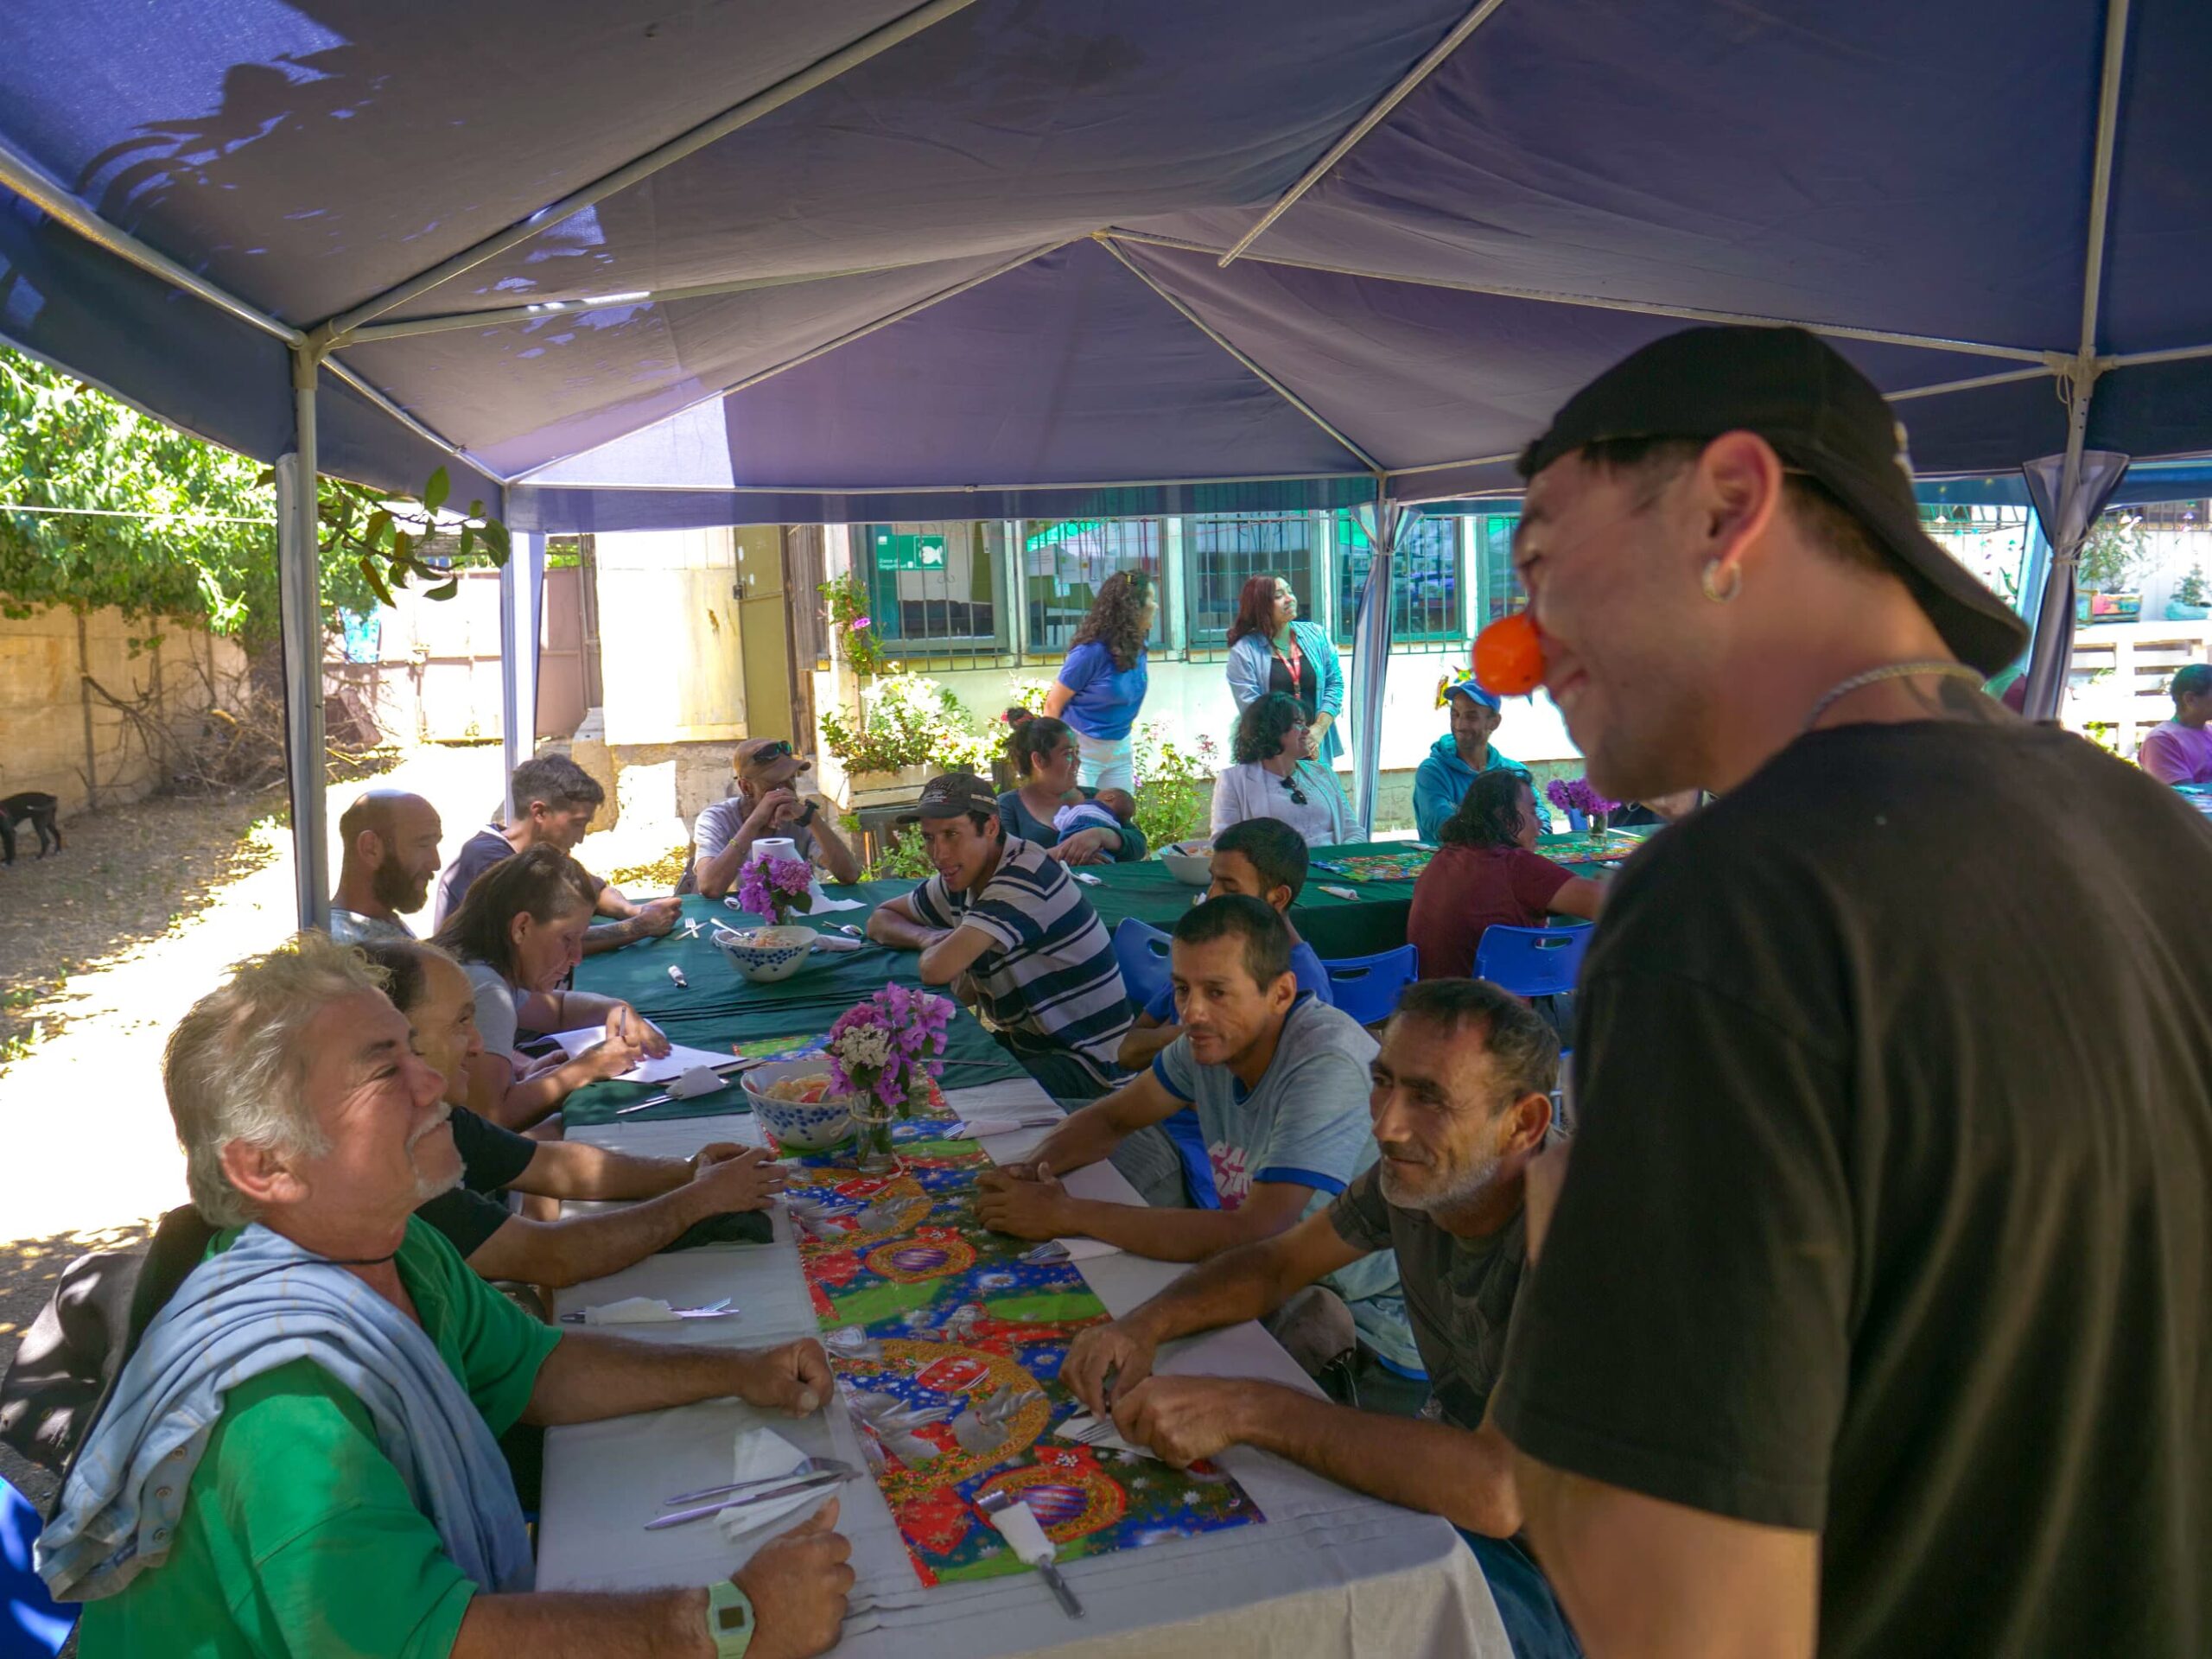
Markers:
(1075, 824)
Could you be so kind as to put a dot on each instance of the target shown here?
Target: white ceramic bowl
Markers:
(1190, 862)
(763, 954)
(801, 1126)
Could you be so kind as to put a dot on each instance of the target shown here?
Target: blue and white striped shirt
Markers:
(1049, 980)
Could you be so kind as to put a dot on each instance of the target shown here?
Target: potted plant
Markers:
(885, 1053)
(2113, 551)
(2191, 600)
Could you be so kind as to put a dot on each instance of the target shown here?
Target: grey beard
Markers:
(428, 1187)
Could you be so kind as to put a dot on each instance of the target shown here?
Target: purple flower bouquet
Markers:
(775, 887)
(884, 1052)
(1575, 797)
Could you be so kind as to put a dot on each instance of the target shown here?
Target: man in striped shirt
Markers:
(1005, 924)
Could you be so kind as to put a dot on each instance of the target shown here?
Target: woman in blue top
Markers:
(1102, 682)
(1270, 650)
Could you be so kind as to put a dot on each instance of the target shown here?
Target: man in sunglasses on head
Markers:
(763, 805)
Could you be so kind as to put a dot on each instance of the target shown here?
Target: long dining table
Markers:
(1327, 1572)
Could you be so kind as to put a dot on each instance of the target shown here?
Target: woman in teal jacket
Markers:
(1270, 650)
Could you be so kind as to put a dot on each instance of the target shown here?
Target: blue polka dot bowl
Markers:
(766, 954)
(798, 1125)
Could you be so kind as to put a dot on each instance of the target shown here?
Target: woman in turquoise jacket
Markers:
(1270, 650)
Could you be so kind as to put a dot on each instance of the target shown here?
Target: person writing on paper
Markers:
(1045, 758)
(1261, 858)
(391, 841)
(300, 1456)
(1273, 777)
(554, 800)
(1101, 685)
(1003, 920)
(1278, 1081)
(1461, 755)
(2179, 751)
(1460, 1102)
(1270, 650)
(1487, 872)
(677, 1193)
(765, 803)
(517, 935)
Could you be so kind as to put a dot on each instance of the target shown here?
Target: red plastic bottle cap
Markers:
(1510, 657)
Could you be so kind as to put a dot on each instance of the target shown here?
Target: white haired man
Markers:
(299, 1458)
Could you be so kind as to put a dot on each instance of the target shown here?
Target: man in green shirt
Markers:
(301, 1107)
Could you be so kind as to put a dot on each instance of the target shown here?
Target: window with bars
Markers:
(1064, 561)
(933, 587)
(1222, 551)
(1425, 574)
(1499, 591)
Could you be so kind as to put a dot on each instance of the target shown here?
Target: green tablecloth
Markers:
(720, 1006)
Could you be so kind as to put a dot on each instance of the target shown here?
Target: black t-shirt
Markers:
(1889, 1211)
(492, 1158)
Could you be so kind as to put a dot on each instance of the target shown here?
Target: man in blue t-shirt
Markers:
(1261, 858)
(1279, 1082)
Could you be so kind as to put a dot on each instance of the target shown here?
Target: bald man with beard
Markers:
(391, 841)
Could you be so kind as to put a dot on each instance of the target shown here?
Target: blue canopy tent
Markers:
(639, 267)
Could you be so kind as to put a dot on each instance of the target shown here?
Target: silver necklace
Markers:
(1892, 671)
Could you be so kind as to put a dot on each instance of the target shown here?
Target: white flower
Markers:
(869, 1046)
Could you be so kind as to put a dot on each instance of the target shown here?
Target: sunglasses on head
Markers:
(775, 751)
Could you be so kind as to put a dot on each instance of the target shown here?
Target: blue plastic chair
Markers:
(33, 1625)
(1368, 988)
(1532, 962)
(1141, 951)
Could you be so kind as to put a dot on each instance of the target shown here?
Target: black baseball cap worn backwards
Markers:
(1825, 419)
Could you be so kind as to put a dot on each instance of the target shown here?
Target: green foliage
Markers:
(1171, 801)
(2115, 550)
(1026, 694)
(162, 525)
(845, 604)
(907, 720)
(904, 859)
(2191, 589)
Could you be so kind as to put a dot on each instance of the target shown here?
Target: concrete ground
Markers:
(102, 949)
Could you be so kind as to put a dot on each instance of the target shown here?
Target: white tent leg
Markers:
(1370, 656)
(299, 579)
(522, 584)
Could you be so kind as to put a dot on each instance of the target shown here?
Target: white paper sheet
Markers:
(672, 1065)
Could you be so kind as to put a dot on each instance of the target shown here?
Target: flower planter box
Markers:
(867, 789)
(2107, 607)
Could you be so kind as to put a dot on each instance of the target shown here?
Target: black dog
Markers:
(40, 809)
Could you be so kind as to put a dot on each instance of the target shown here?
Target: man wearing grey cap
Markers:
(1874, 1314)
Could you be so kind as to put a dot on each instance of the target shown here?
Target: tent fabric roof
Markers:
(979, 268)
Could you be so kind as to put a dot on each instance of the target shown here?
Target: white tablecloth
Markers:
(1328, 1572)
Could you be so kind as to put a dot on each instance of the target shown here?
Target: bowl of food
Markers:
(798, 1105)
(764, 954)
(1190, 862)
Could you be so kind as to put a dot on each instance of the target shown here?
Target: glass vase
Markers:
(872, 1119)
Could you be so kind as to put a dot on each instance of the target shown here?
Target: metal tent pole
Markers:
(521, 584)
(299, 584)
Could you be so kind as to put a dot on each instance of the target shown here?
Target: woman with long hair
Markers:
(1075, 824)
(518, 933)
(1270, 650)
(1487, 872)
(1275, 775)
(1101, 683)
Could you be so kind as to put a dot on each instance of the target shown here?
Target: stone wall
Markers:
(58, 734)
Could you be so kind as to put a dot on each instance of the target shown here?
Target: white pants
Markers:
(1107, 762)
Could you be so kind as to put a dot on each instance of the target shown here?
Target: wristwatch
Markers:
(807, 817)
(729, 1619)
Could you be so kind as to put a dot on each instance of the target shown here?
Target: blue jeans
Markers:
(1534, 1623)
